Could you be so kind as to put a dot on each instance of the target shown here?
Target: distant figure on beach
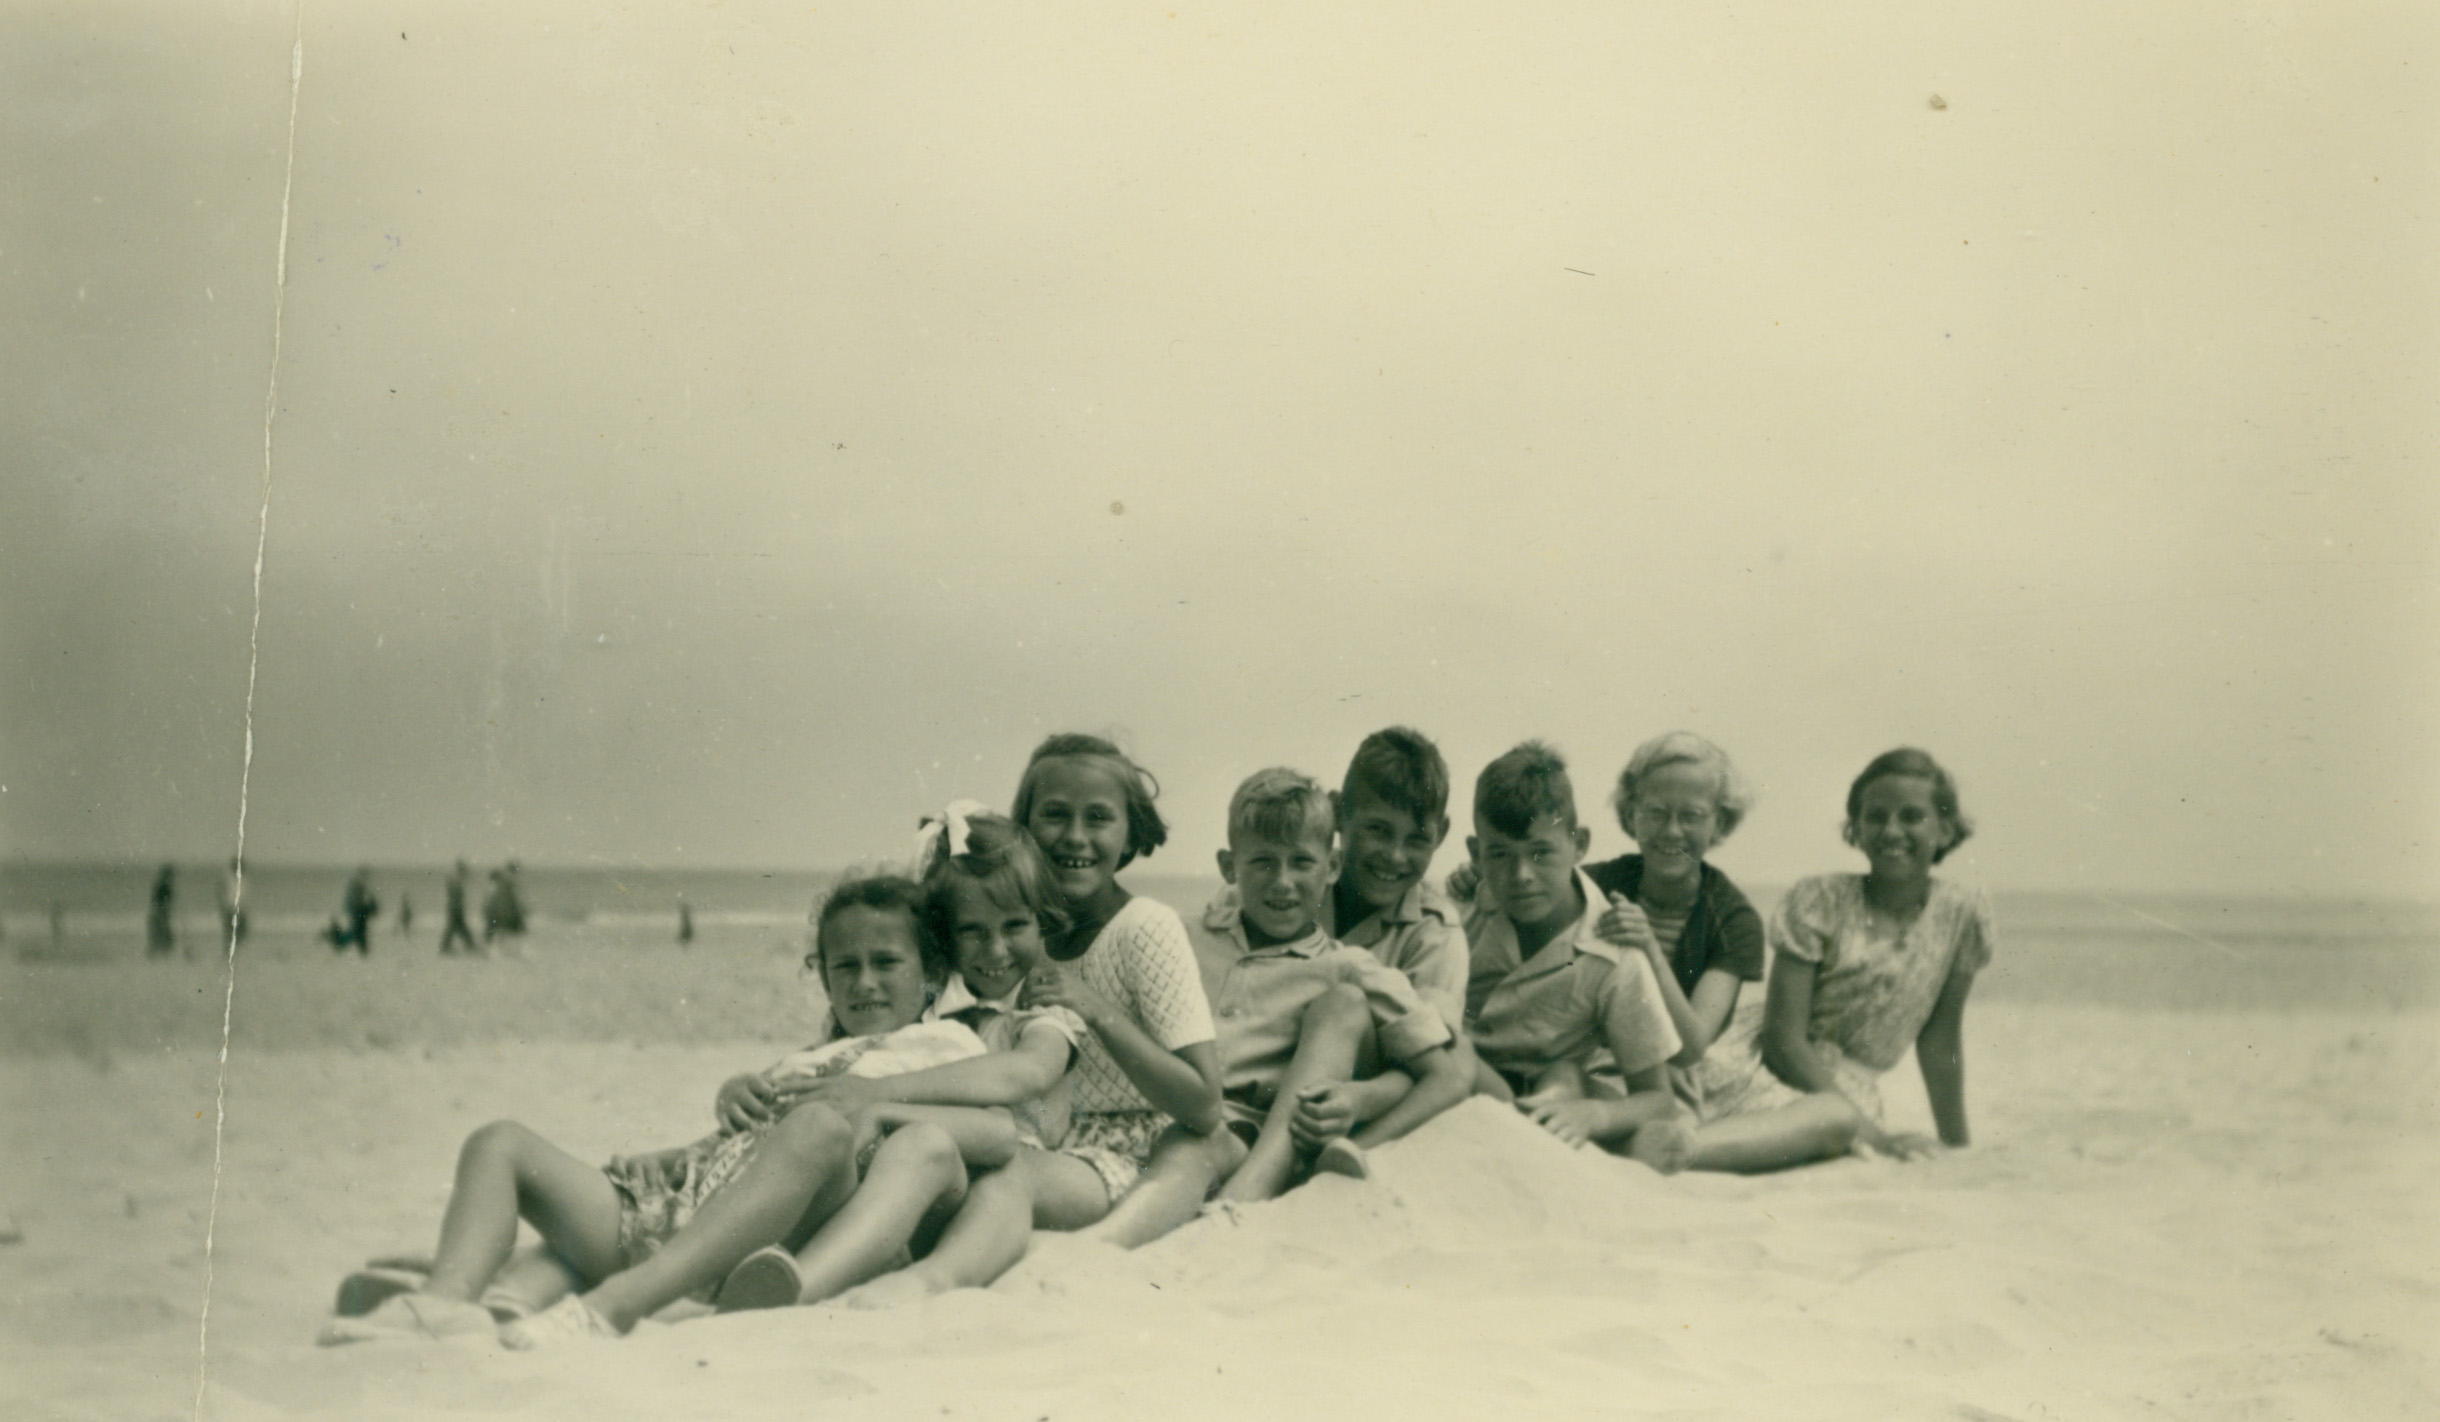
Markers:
(161, 922)
(456, 930)
(1863, 966)
(232, 914)
(406, 915)
(357, 910)
(503, 910)
(686, 922)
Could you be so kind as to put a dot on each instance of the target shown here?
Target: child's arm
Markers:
(1940, 1050)
(1185, 1083)
(1032, 1067)
(985, 1135)
(1445, 1076)
(1636, 1030)
(1698, 1021)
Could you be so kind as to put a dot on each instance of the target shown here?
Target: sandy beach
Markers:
(2169, 1213)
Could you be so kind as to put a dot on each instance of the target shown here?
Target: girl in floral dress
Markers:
(1863, 967)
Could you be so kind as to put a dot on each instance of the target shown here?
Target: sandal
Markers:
(371, 1287)
(1341, 1156)
(565, 1321)
(410, 1315)
(767, 1278)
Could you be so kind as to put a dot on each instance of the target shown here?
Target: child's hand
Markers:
(1052, 985)
(1324, 1112)
(745, 1102)
(1571, 1120)
(1462, 883)
(1624, 924)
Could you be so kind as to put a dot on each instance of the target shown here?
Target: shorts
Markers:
(660, 1193)
(1116, 1144)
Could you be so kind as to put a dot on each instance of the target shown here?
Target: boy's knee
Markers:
(1341, 1005)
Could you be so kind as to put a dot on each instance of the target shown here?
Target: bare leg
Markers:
(1820, 1127)
(1328, 1036)
(506, 1171)
(803, 1170)
(917, 1170)
(994, 1228)
(1176, 1180)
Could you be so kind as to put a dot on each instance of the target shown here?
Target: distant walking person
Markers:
(361, 908)
(456, 930)
(686, 922)
(503, 912)
(232, 915)
(161, 924)
(406, 914)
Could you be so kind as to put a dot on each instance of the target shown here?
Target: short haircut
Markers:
(883, 893)
(1146, 830)
(1401, 768)
(1281, 805)
(1523, 786)
(1011, 868)
(1906, 760)
(1731, 802)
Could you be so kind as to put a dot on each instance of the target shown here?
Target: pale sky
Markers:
(716, 434)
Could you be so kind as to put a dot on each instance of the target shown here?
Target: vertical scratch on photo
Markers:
(254, 654)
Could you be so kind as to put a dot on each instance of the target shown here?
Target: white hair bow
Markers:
(943, 836)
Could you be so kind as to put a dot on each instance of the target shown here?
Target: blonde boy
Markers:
(1295, 1008)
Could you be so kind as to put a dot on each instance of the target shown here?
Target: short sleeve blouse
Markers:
(1874, 985)
(1142, 961)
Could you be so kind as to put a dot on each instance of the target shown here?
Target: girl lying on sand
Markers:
(645, 1231)
(988, 895)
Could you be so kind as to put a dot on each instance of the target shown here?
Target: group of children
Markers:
(1017, 1043)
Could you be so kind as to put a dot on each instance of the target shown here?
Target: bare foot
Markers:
(894, 1290)
(1666, 1146)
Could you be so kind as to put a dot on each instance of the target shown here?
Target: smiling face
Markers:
(995, 944)
(1531, 876)
(1899, 827)
(1078, 816)
(1675, 818)
(872, 970)
(1387, 851)
(1280, 883)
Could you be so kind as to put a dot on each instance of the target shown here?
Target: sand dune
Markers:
(2171, 1214)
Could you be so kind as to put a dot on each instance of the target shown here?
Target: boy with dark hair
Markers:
(1295, 1009)
(1393, 815)
(1546, 998)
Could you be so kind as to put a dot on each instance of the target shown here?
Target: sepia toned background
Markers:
(713, 434)
(708, 435)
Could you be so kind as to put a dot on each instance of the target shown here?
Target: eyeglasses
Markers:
(1690, 817)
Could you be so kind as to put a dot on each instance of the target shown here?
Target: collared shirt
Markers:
(1423, 935)
(1043, 1121)
(1260, 995)
(1573, 1000)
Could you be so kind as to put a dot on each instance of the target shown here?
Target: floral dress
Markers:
(1874, 987)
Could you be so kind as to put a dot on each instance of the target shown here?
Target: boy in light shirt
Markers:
(1294, 1008)
(1546, 998)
